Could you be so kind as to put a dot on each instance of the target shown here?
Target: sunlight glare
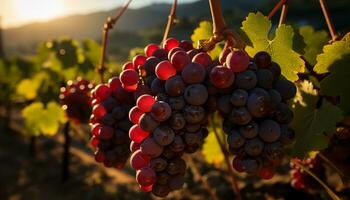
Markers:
(38, 10)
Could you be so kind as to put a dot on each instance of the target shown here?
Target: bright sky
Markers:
(18, 12)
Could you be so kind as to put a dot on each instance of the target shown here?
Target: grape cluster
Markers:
(170, 115)
(76, 101)
(301, 179)
(110, 124)
(255, 110)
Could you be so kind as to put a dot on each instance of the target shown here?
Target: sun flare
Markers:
(38, 10)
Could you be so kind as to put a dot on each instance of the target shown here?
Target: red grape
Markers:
(129, 77)
(99, 111)
(135, 114)
(134, 146)
(149, 49)
(128, 65)
(221, 77)
(99, 156)
(202, 58)
(170, 43)
(139, 160)
(180, 59)
(106, 132)
(145, 102)
(137, 134)
(186, 45)
(173, 51)
(114, 83)
(139, 60)
(262, 59)
(146, 188)
(237, 61)
(146, 176)
(95, 129)
(165, 70)
(130, 88)
(102, 92)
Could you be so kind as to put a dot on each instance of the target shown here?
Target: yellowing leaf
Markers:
(257, 28)
(311, 123)
(28, 87)
(40, 120)
(211, 150)
(205, 31)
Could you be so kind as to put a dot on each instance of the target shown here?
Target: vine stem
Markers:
(224, 151)
(171, 20)
(283, 13)
(197, 173)
(108, 25)
(335, 168)
(324, 185)
(329, 22)
(275, 9)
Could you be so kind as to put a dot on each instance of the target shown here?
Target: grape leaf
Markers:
(202, 32)
(257, 28)
(211, 150)
(40, 120)
(315, 40)
(335, 60)
(311, 123)
(28, 88)
(92, 51)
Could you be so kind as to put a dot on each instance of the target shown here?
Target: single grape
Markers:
(246, 80)
(287, 135)
(160, 53)
(106, 132)
(196, 94)
(274, 151)
(186, 45)
(221, 77)
(145, 102)
(150, 65)
(250, 130)
(164, 135)
(240, 116)
(254, 147)
(137, 134)
(192, 53)
(286, 88)
(284, 114)
(235, 140)
(161, 111)
(250, 166)
(102, 92)
(165, 70)
(146, 176)
(237, 164)
(193, 73)
(129, 77)
(262, 59)
(269, 130)
(176, 166)
(180, 59)
(192, 139)
(193, 127)
(158, 164)
(194, 114)
(176, 182)
(149, 49)
(259, 102)
(276, 70)
(127, 65)
(175, 86)
(239, 97)
(157, 86)
(177, 121)
(173, 51)
(266, 172)
(237, 61)
(139, 160)
(265, 78)
(138, 60)
(170, 43)
(177, 145)
(134, 146)
(114, 83)
(203, 59)
(275, 98)
(224, 104)
(135, 114)
(177, 103)
(146, 188)
(160, 190)
(150, 147)
(148, 123)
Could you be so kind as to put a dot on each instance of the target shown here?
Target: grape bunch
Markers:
(301, 179)
(170, 115)
(256, 114)
(110, 124)
(76, 101)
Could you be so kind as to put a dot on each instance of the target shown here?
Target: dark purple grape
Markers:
(120, 112)
(162, 97)
(157, 86)
(150, 147)
(193, 73)
(284, 114)
(252, 66)
(249, 131)
(160, 190)
(176, 166)
(269, 130)
(250, 166)
(161, 111)
(196, 94)
(192, 139)
(262, 59)
(259, 103)
(275, 98)
(235, 140)
(265, 78)
(120, 137)
(224, 104)
(175, 86)
(276, 70)
(150, 65)
(177, 145)
(148, 123)
(194, 114)
(192, 127)
(239, 97)
(286, 89)
(164, 135)
(177, 103)
(254, 147)
(240, 116)
(176, 182)
(274, 151)
(110, 103)
(124, 125)
(163, 178)
(158, 164)
(287, 135)
(108, 120)
(177, 121)
(246, 80)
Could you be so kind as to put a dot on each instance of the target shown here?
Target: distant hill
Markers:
(149, 21)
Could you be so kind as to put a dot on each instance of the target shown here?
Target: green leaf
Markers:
(40, 120)
(257, 28)
(92, 51)
(28, 88)
(311, 123)
(335, 60)
(211, 150)
(203, 32)
(67, 52)
(315, 40)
